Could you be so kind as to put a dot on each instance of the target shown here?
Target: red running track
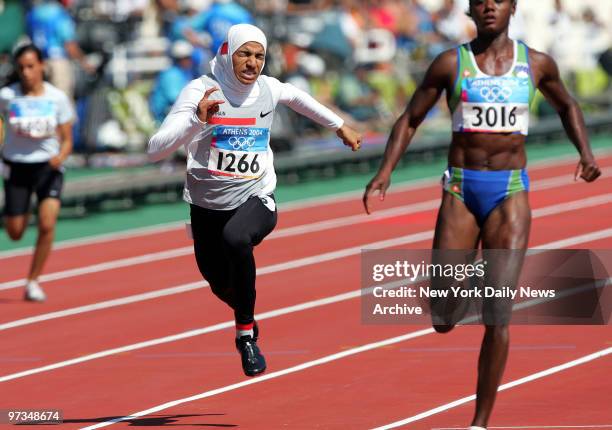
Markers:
(365, 390)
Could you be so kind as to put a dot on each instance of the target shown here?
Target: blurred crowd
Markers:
(124, 62)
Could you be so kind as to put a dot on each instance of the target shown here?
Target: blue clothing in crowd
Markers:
(215, 21)
(50, 26)
(167, 88)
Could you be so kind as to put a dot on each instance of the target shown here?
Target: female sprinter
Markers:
(230, 171)
(38, 139)
(489, 85)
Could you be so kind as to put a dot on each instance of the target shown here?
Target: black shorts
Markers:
(23, 179)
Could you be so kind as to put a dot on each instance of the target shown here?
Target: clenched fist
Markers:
(349, 137)
(587, 169)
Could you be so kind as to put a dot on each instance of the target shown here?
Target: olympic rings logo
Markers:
(496, 94)
(241, 142)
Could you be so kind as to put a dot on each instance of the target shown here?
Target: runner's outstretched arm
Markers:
(304, 104)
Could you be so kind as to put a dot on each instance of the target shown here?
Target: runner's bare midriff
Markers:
(479, 151)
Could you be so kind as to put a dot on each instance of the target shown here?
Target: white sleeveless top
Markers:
(234, 160)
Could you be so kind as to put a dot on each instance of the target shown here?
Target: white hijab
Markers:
(222, 67)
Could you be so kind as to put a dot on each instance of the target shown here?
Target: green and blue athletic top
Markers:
(481, 103)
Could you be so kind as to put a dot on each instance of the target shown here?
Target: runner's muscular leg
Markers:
(507, 227)
(456, 229)
(48, 210)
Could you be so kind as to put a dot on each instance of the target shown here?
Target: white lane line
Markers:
(564, 180)
(544, 184)
(290, 206)
(294, 264)
(184, 335)
(538, 375)
(101, 238)
(353, 351)
(268, 376)
(435, 181)
(304, 229)
(188, 250)
(104, 305)
(404, 240)
(347, 353)
(191, 333)
(179, 225)
(355, 219)
(601, 199)
(101, 267)
(577, 240)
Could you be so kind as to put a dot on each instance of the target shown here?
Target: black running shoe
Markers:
(253, 362)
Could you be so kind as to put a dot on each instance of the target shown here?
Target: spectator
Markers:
(121, 10)
(426, 39)
(352, 20)
(206, 29)
(392, 88)
(453, 24)
(307, 6)
(168, 12)
(52, 29)
(198, 5)
(561, 27)
(299, 72)
(171, 81)
(126, 14)
(357, 97)
(594, 40)
(382, 15)
(214, 22)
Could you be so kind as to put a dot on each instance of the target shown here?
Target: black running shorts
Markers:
(21, 180)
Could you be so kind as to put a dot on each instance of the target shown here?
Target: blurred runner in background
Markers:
(37, 121)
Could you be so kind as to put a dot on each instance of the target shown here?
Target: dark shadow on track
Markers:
(154, 421)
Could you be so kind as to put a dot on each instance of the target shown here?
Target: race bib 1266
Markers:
(240, 152)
